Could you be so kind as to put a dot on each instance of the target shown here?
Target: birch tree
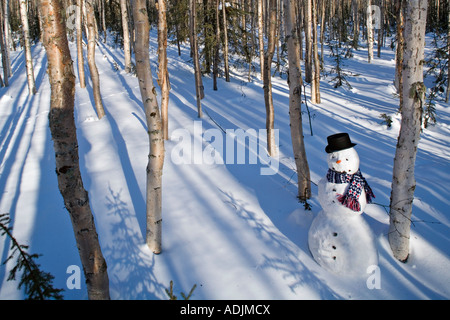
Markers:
(163, 74)
(3, 47)
(308, 42)
(154, 125)
(126, 36)
(27, 45)
(369, 20)
(403, 181)
(268, 56)
(217, 46)
(295, 101)
(399, 50)
(315, 85)
(91, 26)
(7, 38)
(225, 41)
(63, 131)
(80, 57)
(448, 50)
(199, 89)
(261, 37)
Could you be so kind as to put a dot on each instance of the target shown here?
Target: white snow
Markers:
(233, 232)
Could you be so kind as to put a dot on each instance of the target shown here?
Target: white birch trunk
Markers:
(225, 42)
(369, 31)
(268, 56)
(261, 37)
(126, 36)
(403, 181)
(7, 35)
(308, 42)
(315, 86)
(295, 101)
(63, 131)
(448, 47)
(26, 39)
(163, 75)
(154, 124)
(199, 89)
(80, 58)
(91, 26)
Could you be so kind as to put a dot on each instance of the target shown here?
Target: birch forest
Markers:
(295, 60)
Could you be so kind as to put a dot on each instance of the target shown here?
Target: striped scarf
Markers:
(357, 184)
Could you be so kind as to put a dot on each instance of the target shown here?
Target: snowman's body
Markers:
(339, 239)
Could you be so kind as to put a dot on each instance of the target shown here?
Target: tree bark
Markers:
(315, 86)
(216, 47)
(126, 36)
(295, 102)
(225, 41)
(403, 181)
(80, 58)
(199, 89)
(268, 56)
(63, 131)
(369, 31)
(27, 43)
(7, 37)
(448, 48)
(163, 74)
(154, 124)
(91, 25)
(399, 52)
(4, 49)
(261, 37)
(308, 42)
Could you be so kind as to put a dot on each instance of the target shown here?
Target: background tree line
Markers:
(266, 37)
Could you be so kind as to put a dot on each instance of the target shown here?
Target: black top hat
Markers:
(338, 141)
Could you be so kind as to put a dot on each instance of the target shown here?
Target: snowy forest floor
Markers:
(235, 233)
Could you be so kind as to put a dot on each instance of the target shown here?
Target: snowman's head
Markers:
(346, 160)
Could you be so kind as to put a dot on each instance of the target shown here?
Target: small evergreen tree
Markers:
(37, 283)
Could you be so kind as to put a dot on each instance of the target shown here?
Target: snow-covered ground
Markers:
(231, 230)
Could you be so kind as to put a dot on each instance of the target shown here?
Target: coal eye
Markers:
(346, 159)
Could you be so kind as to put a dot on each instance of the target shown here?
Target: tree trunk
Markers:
(225, 41)
(216, 47)
(355, 8)
(295, 102)
(369, 31)
(7, 37)
(26, 38)
(308, 42)
(399, 52)
(199, 89)
(63, 131)
(4, 48)
(80, 58)
(154, 124)
(448, 48)
(126, 36)
(261, 37)
(403, 182)
(91, 25)
(268, 56)
(315, 86)
(163, 74)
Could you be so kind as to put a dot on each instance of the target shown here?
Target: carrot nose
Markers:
(339, 161)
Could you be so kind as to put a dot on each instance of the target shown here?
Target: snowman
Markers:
(339, 238)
